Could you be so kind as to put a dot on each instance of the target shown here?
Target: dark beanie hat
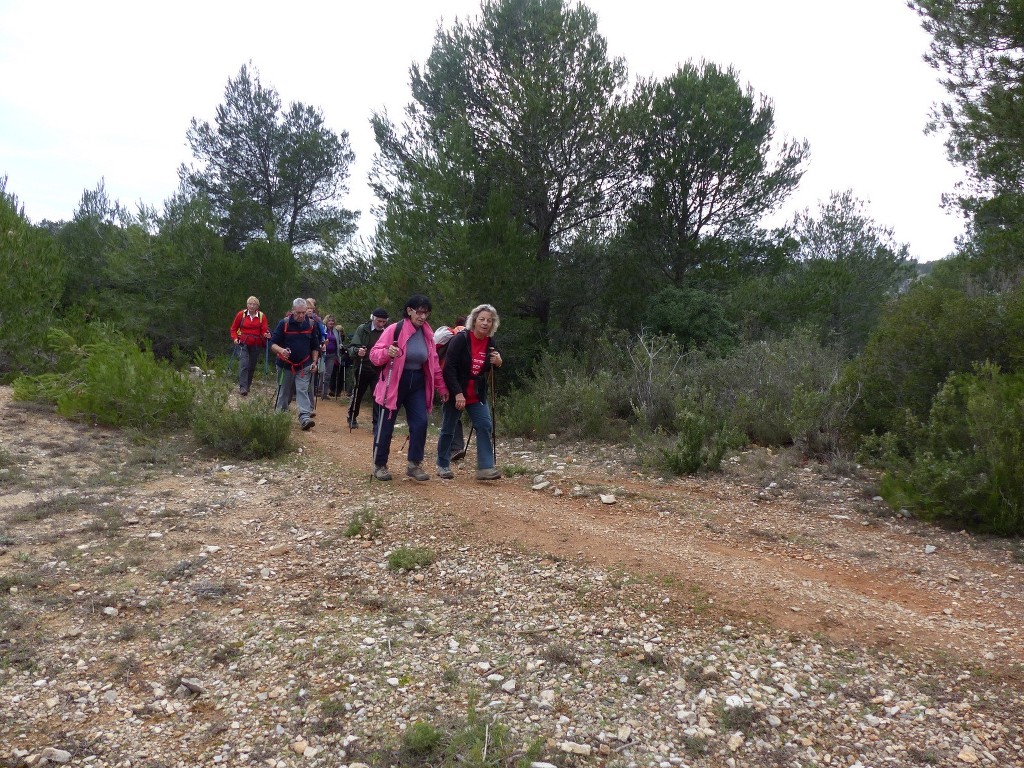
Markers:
(379, 312)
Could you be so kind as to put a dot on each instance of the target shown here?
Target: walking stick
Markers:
(352, 397)
(494, 425)
(460, 455)
(383, 411)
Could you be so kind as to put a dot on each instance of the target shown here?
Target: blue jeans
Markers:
(412, 395)
(297, 384)
(480, 415)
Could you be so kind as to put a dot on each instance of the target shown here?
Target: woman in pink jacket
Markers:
(411, 374)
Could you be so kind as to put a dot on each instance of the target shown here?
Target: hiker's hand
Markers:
(393, 351)
(237, 341)
(460, 402)
(285, 352)
(496, 358)
(362, 351)
(444, 397)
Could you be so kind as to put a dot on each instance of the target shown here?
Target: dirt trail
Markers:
(815, 559)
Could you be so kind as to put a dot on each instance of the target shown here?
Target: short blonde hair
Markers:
(471, 320)
(252, 298)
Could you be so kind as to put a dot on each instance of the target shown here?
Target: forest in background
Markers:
(615, 223)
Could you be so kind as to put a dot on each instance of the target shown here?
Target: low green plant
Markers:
(422, 740)
(364, 523)
(742, 718)
(408, 558)
(109, 379)
(253, 430)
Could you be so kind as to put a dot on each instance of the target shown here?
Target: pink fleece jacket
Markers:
(386, 391)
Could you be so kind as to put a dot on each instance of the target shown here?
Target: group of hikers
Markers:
(407, 362)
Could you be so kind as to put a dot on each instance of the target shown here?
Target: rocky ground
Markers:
(160, 607)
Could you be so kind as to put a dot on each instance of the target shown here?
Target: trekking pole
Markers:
(460, 455)
(494, 426)
(352, 398)
(383, 411)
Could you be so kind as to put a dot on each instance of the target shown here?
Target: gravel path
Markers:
(161, 608)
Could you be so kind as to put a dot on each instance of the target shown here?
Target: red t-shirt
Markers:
(477, 358)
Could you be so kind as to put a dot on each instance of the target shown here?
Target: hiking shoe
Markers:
(415, 471)
(445, 473)
(243, 392)
(381, 473)
(353, 424)
(308, 424)
(488, 474)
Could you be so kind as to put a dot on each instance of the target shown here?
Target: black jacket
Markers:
(458, 364)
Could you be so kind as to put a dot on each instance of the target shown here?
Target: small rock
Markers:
(110, 611)
(735, 741)
(929, 549)
(61, 756)
(575, 749)
(968, 755)
(540, 486)
(607, 498)
(299, 747)
(281, 549)
(193, 685)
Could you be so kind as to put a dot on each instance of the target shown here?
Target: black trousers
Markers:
(366, 375)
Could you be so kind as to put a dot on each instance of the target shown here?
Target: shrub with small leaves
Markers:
(253, 430)
(408, 558)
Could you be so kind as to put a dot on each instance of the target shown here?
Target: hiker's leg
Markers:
(481, 416)
(285, 388)
(303, 393)
(416, 414)
(450, 417)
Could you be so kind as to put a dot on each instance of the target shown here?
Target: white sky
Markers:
(107, 88)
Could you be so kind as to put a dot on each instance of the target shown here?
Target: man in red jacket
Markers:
(249, 332)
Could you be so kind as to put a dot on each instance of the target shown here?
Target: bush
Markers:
(409, 558)
(966, 461)
(110, 380)
(935, 329)
(699, 442)
(774, 391)
(253, 430)
(578, 397)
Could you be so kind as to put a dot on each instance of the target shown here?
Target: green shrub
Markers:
(421, 740)
(570, 401)
(773, 391)
(253, 430)
(935, 329)
(363, 523)
(699, 441)
(110, 380)
(408, 558)
(966, 461)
